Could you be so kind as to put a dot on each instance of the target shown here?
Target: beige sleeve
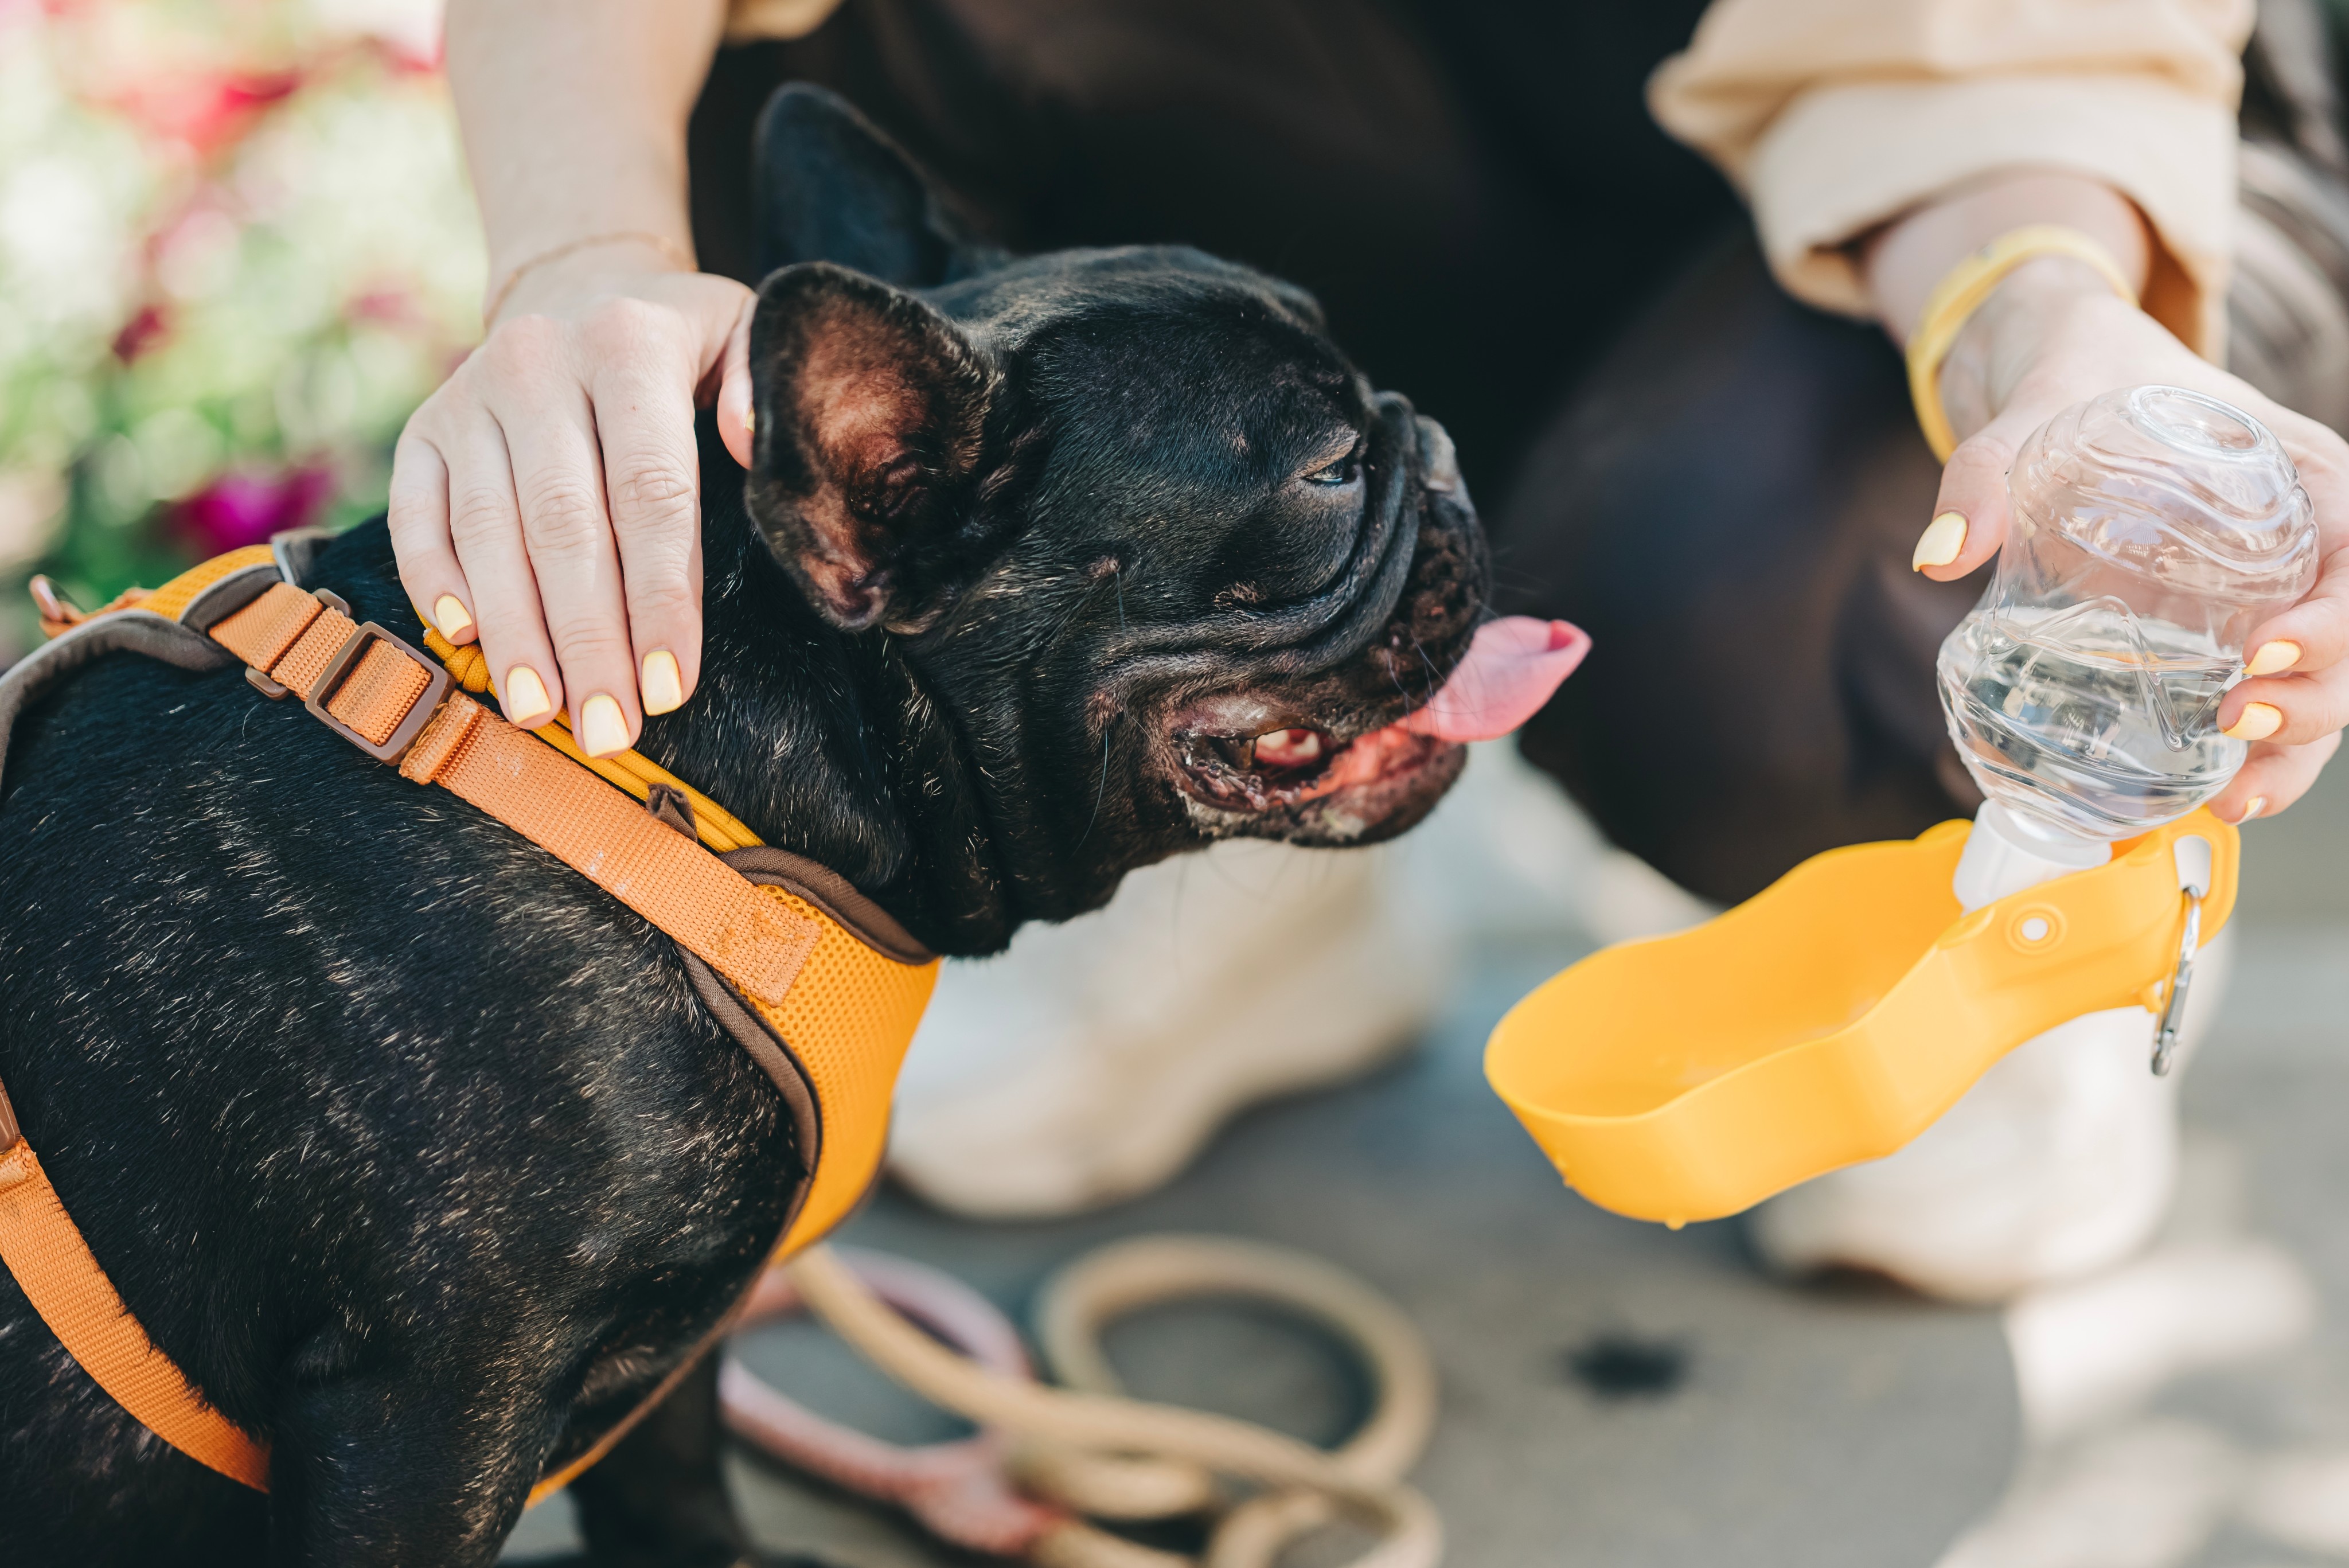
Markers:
(1834, 116)
(747, 20)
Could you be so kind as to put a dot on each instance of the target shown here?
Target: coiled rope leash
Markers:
(1045, 1457)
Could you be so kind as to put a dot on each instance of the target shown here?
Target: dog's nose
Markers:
(1439, 463)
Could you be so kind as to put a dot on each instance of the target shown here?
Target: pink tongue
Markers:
(1512, 668)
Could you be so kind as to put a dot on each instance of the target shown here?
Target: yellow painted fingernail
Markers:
(2259, 802)
(602, 730)
(2257, 722)
(1938, 545)
(2273, 658)
(750, 419)
(449, 615)
(526, 697)
(663, 687)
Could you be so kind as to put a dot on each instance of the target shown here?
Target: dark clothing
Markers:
(1722, 485)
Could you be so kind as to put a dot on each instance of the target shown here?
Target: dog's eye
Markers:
(1345, 471)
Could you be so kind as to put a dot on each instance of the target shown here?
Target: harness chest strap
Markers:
(841, 1010)
(44, 1250)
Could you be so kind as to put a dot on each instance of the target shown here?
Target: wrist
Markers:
(1905, 260)
(555, 279)
(2006, 334)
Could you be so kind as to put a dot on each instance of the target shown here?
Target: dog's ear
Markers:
(870, 410)
(830, 186)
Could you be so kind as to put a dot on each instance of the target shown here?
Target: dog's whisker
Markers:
(1101, 790)
(1435, 680)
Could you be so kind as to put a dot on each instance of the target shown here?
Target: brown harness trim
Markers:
(833, 894)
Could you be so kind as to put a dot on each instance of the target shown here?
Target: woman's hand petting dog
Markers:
(546, 499)
(2052, 334)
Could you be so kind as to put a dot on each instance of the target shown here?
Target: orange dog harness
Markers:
(819, 985)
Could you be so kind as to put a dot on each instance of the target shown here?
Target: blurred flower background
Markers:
(236, 248)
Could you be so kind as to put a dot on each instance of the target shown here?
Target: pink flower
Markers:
(246, 507)
(141, 333)
(387, 306)
(206, 109)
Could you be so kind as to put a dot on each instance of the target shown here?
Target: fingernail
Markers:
(663, 687)
(602, 729)
(750, 419)
(1938, 545)
(2257, 722)
(526, 697)
(2273, 658)
(449, 615)
(2259, 802)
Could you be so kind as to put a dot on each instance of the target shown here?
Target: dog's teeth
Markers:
(1288, 748)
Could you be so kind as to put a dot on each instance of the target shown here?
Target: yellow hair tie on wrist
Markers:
(1961, 291)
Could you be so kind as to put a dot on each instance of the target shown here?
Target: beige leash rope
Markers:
(1091, 1450)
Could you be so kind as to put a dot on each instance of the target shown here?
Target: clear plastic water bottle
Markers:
(2154, 528)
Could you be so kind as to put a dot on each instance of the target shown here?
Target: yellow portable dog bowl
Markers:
(1832, 1017)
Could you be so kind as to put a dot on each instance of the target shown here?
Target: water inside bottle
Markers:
(2087, 719)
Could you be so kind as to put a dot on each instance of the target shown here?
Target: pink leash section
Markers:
(1046, 1461)
(960, 1491)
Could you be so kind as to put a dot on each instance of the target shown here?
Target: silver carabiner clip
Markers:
(2193, 858)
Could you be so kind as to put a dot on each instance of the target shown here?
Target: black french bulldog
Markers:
(415, 1151)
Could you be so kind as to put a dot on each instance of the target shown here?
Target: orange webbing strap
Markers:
(181, 592)
(630, 770)
(709, 908)
(45, 1250)
(59, 617)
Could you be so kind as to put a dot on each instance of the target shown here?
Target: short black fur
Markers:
(417, 1152)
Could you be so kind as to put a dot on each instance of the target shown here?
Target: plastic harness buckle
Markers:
(345, 664)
